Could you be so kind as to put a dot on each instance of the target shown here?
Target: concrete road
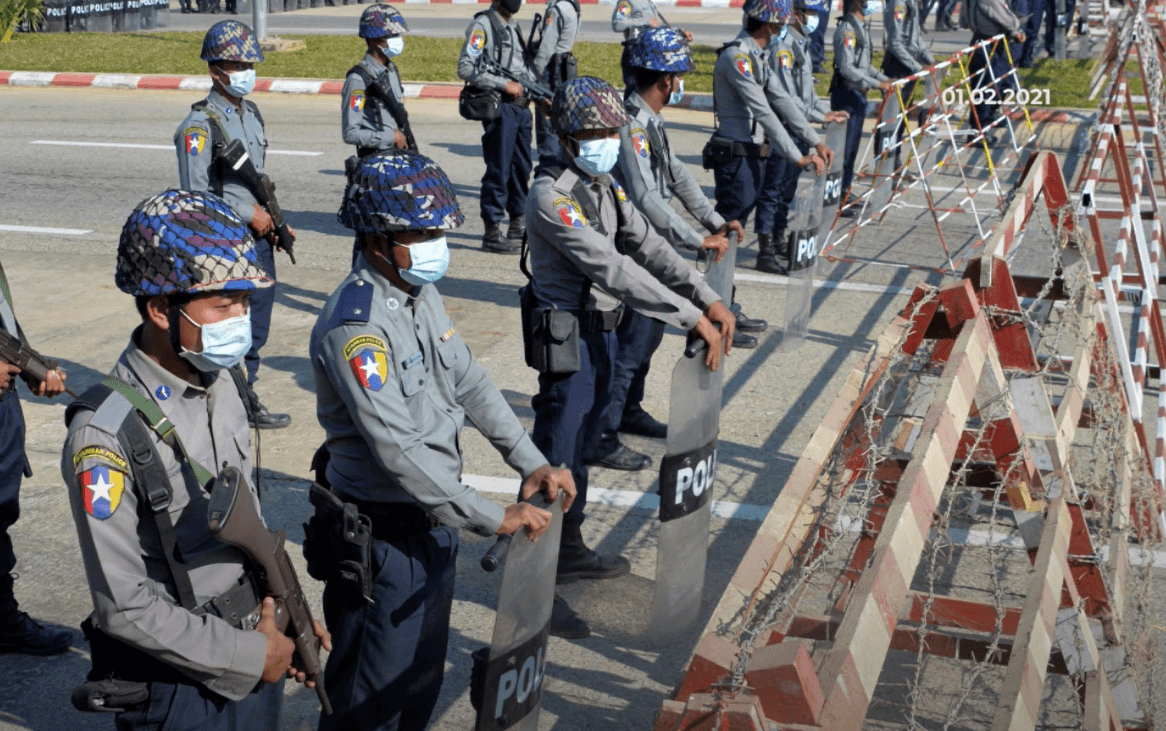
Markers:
(77, 161)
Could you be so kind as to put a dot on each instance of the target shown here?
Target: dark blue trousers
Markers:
(637, 339)
(12, 469)
(189, 707)
(944, 11)
(1051, 22)
(737, 184)
(545, 137)
(262, 300)
(777, 192)
(818, 38)
(567, 408)
(849, 100)
(388, 658)
(506, 149)
(992, 91)
(895, 69)
(1025, 54)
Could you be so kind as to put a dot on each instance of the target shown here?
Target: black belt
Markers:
(599, 321)
(395, 521)
(743, 149)
(239, 605)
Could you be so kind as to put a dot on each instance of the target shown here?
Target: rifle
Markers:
(535, 89)
(235, 522)
(17, 352)
(383, 90)
(261, 186)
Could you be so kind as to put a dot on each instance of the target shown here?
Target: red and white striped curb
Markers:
(693, 101)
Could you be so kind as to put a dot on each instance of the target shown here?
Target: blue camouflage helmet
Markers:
(230, 40)
(661, 49)
(587, 102)
(381, 21)
(179, 242)
(769, 11)
(399, 191)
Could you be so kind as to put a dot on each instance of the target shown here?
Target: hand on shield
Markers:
(718, 243)
(836, 116)
(818, 163)
(549, 481)
(825, 153)
(732, 227)
(519, 515)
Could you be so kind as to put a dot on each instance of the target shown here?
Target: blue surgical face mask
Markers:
(783, 33)
(242, 82)
(676, 96)
(224, 343)
(597, 157)
(811, 22)
(428, 262)
(394, 46)
(872, 7)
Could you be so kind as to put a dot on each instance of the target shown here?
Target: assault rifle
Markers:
(232, 518)
(383, 91)
(261, 186)
(17, 352)
(534, 89)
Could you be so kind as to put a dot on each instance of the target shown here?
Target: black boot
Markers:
(258, 415)
(20, 633)
(577, 561)
(566, 623)
(517, 229)
(619, 458)
(494, 242)
(767, 257)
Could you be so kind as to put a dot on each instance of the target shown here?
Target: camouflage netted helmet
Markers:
(769, 11)
(661, 49)
(381, 21)
(180, 242)
(399, 191)
(230, 40)
(586, 102)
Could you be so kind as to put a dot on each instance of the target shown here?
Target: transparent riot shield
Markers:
(512, 683)
(884, 182)
(805, 223)
(686, 479)
(832, 191)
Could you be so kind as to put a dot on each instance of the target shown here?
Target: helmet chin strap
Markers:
(174, 315)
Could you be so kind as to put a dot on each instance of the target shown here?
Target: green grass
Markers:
(425, 59)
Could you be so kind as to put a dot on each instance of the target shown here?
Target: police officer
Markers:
(231, 52)
(174, 609)
(799, 107)
(577, 214)
(990, 67)
(365, 117)
(18, 631)
(394, 383)
(814, 27)
(495, 38)
(853, 78)
(554, 64)
(633, 17)
(906, 54)
(659, 59)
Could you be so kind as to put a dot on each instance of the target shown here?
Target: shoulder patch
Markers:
(103, 454)
(570, 213)
(623, 197)
(101, 488)
(785, 59)
(640, 143)
(744, 65)
(900, 12)
(623, 9)
(369, 362)
(476, 42)
(356, 100)
(549, 18)
(194, 140)
(848, 39)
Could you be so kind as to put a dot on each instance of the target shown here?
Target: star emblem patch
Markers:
(367, 359)
(356, 100)
(195, 141)
(102, 487)
(744, 65)
(640, 143)
(476, 42)
(570, 213)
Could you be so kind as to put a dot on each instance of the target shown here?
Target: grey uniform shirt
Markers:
(654, 174)
(560, 26)
(742, 106)
(632, 17)
(134, 598)
(394, 384)
(783, 92)
(7, 320)
(852, 55)
(364, 120)
(567, 251)
(990, 17)
(904, 34)
(482, 46)
(192, 141)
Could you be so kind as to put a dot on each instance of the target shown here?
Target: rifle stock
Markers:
(263, 188)
(235, 522)
(15, 351)
(381, 87)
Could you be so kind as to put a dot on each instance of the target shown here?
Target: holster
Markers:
(564, 67)
(336, 545)
(550, 336)
(120, 675)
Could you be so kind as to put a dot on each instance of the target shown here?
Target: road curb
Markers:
(693, 101)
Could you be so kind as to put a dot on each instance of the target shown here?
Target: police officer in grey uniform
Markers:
(494, 37)
(18, 631)
(853, 78)
(554, 64)
(231, 52)
(906, 54)
(792, 94)
(176, 612)
(589, 249)
(633, 17)
(394, 383)
(365, 119)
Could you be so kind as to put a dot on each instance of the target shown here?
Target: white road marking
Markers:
(43, 230)
(137, 146)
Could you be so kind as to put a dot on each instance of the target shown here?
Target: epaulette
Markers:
(353, 305)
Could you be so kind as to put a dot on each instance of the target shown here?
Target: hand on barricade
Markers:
(886, 84)
(550, 481)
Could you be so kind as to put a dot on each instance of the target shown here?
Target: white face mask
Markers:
(242, 82)
(872, 7)
(394, 46)
(597, 157)
(428, 262)
(224, 343)
(811, 22)
(676, 96)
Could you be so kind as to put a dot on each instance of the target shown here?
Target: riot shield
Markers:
(884, 182)
(832, 191)
(513, 675)
(805, 223)
(686, 479)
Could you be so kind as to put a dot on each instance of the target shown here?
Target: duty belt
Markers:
(599, 321)
(744, 149)
(394, 521)
(239, 605)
